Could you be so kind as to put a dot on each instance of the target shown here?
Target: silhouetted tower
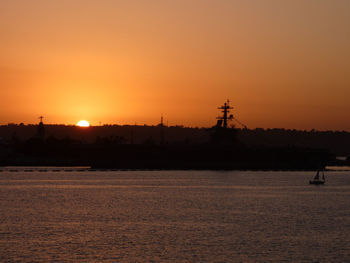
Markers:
(40, 133)
(161, 129)
(223, 120)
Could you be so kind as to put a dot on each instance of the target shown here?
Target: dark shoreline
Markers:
(89, 169)
(151, 156)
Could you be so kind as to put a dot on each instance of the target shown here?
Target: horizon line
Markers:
(175, 125)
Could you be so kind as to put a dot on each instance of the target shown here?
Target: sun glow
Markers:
(83, 123)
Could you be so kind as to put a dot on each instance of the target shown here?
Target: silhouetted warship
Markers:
(222, 152)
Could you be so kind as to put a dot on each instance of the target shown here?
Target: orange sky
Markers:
(281, 63)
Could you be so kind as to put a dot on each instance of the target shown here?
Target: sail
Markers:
(317, 180)
(317, 176)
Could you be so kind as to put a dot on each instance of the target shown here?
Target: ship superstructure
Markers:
(225, 118)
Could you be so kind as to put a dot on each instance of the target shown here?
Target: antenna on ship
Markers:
(223, 120)
(226, 117)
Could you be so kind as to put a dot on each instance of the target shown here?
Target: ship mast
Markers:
(226, 117)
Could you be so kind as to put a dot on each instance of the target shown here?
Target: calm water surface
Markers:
(173, 216)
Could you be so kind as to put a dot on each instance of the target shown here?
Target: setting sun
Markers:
(83, 123)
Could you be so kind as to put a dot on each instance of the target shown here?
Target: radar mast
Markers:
(223, 120)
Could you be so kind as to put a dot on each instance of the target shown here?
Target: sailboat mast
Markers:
(317, 176)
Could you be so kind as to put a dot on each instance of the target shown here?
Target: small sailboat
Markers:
(317, 180)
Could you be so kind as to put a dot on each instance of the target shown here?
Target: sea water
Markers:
(173, 216)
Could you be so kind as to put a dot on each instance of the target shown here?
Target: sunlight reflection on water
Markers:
(173, 216)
